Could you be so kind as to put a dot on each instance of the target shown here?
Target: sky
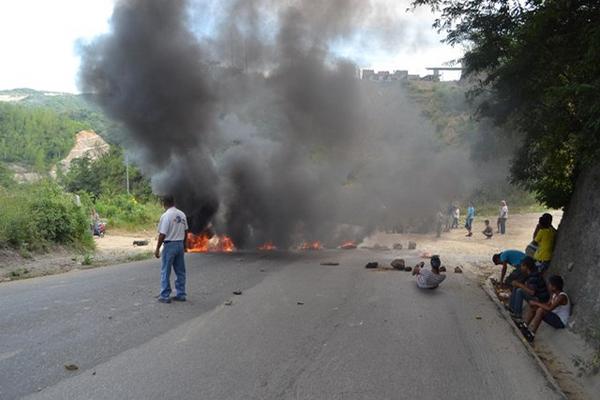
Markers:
(38, 41)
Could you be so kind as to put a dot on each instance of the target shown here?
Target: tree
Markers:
(538, 70)
(106, 175)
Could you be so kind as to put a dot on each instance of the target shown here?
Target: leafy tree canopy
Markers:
(106, 176)
(538, 70)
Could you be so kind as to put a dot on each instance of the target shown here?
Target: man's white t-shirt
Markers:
(426, 279)
(173, 224)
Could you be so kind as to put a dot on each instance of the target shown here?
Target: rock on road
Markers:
(300, 330)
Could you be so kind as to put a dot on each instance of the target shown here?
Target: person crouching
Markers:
(429, 278)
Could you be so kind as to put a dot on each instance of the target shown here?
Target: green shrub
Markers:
(125, 212)
(35, 215)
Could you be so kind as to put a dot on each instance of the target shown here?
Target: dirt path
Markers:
(475, 252)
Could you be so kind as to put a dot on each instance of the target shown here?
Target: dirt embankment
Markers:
(111, 249)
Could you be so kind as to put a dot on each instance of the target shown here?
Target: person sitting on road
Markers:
(429, 278)
(555, 312)
(512, 258)
(533, 288)
(488, 232)
(543, 237)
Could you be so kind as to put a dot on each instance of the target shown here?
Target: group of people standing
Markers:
(545, 297)
(451, 220)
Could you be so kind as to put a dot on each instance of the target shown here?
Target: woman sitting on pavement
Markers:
(429, 278)
(555, 313)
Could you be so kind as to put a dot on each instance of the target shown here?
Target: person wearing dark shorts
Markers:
(555, 312)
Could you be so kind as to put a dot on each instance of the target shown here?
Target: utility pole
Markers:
(127, 172)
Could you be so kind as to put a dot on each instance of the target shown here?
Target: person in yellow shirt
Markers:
(544, 237)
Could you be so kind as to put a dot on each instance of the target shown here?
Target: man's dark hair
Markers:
(487, 221)
(556, 281)
(496, 259)
(528, 262)
(168, 200)
(546, 220)
(435, 262)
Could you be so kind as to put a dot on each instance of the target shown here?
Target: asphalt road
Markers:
(300, 330)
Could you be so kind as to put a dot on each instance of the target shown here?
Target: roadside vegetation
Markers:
(35, 134)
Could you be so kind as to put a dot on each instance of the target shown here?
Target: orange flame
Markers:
(268, 246)
(348, 245)
(204, 243)
(316, 245)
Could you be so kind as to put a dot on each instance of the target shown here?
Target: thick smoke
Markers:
(256, 126)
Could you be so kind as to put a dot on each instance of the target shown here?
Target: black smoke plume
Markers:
(255, 125)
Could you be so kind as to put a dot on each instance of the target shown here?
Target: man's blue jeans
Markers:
(172, 255)
(516, 300)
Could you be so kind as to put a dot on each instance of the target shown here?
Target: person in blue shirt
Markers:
(470, 218)
(512, 258)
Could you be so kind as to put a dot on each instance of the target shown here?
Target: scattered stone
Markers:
(94, 373)
(412, 245)
(300, 303)
(398, 264)
(477, 317)
(372, 265)
(330, 263)
(442, 269)
(237, 292)
(141, 242)
(110, 317)
(408, 269)
(458, 270)
(397, 246)
(570, 266)
(71, 367)
(228, 302)
(262, 270)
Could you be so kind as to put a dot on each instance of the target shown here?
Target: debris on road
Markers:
(372, 265)
(228, 302)
(478, 317)
(141, 242)
(412, 245)
(71, 367)
(330, 263)
(300, 303)
(397, 246)
(237, 292)
(380, 247)
(458, 270)
(398, 264)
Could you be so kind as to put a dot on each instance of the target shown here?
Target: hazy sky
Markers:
(38, 40)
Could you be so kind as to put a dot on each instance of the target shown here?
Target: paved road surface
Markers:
(359, 334)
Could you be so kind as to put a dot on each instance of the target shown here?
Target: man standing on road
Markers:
(502, 217)
(172, 232)
(470, 218)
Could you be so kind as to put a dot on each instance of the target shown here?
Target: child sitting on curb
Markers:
(555, 312)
